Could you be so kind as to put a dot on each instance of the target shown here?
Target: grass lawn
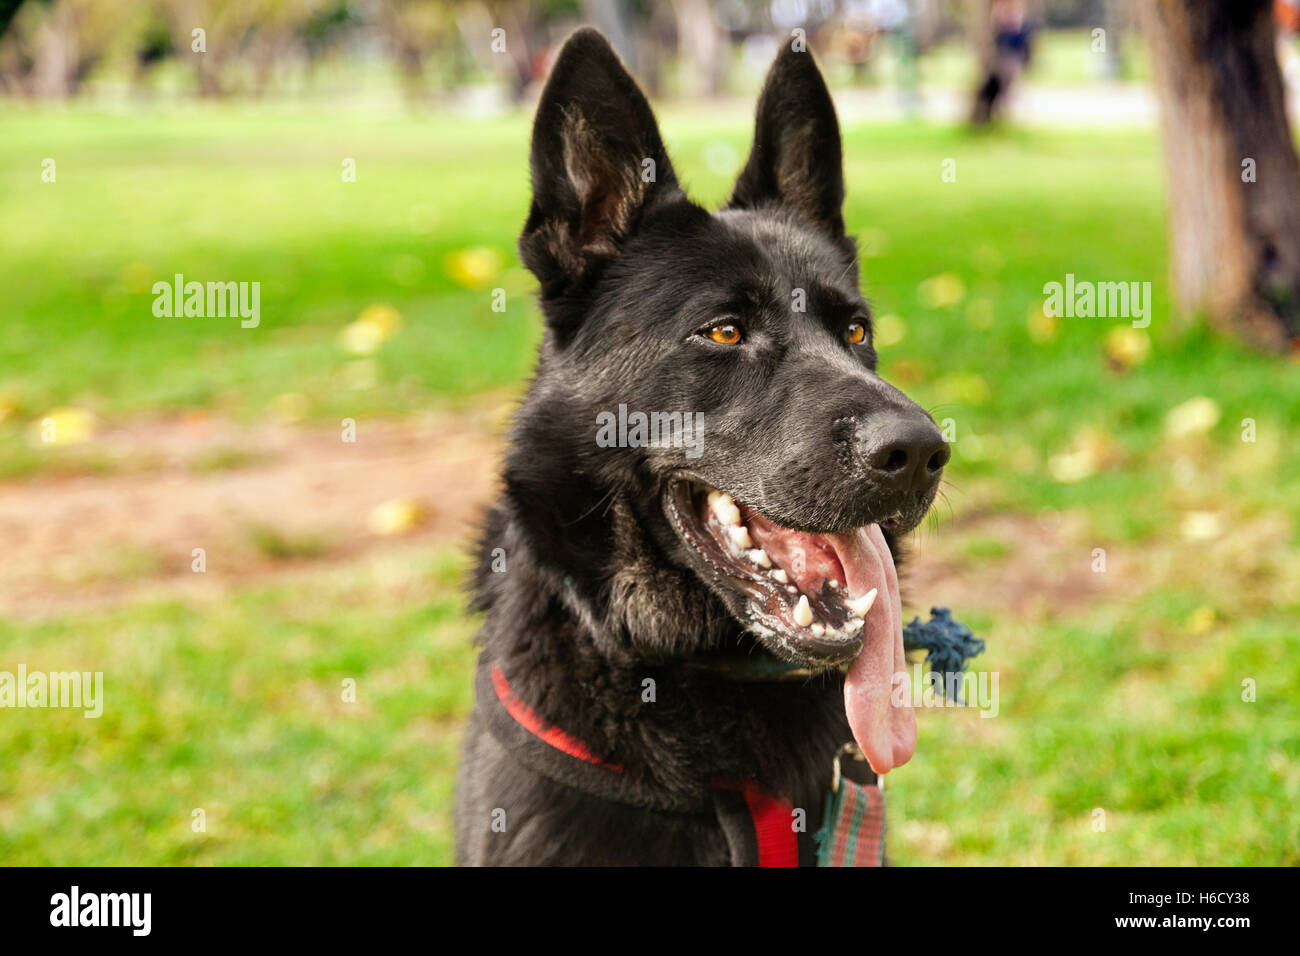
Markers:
(1130, 704)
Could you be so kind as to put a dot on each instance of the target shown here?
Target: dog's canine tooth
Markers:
(802, 612)
(740, 535)
(724, 508)
(760, 557)
(780, 577)
(860, 606)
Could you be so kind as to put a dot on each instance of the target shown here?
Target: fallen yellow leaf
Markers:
(384, 317)
(1042, 327)
(942, 291)
(890, 330)
(1092, 450)
(1201, 620)
(475, 267)
(1127, 347)
(1193, 417)
(394, 517)
(1202, 525)
(63, 426)
(361, 338)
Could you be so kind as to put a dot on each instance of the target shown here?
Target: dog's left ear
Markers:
(796, 158)
(598, 162)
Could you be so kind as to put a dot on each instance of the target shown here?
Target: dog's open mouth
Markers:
(798, 584)
(815, 599)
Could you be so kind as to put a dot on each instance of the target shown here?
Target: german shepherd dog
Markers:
(667, 620)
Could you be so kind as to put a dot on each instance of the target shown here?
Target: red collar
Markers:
(535, 725)
(772, 816)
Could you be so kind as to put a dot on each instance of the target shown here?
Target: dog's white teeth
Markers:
(802, 612)
(759, 557)
(834, 584)
(792, 589)
(860, 606)
(853, 625)
(740, 535)
(780, 577)
(724, 507)
(818, 630)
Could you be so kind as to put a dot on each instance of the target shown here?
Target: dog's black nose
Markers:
(905, 452)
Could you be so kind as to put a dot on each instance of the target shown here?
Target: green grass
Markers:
(1155, 735)
(234, 706)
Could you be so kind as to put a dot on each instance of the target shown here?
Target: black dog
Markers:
(702, 491)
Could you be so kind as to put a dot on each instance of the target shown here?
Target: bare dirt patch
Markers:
(1041, 566)
(259, 500)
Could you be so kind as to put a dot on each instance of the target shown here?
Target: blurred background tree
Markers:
(1234, 178)
(1235, 234)
(51, 48)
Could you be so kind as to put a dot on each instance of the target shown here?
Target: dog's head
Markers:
(774, 456)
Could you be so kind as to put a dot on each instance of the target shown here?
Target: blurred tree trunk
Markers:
(207, 75)
(701, 45)
(607, 16)
(524, 38)
(653, 37)
(56, 44)
(1115, 18)
(1234, 178)
(932, 22)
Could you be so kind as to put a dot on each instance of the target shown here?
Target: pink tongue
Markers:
(885, 732)
(807, 558)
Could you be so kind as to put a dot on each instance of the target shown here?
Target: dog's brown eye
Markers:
(725, 334)
(857, 332)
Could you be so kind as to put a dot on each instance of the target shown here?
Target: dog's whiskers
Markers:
(606, 499)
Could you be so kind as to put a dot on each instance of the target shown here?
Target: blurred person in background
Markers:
(1005, 58)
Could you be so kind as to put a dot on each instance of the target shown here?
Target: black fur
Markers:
(599, 591)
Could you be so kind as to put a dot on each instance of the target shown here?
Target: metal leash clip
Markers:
(853, 750)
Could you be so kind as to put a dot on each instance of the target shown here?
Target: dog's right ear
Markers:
(598, 162)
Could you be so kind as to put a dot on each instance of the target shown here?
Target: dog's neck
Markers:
(593, 662)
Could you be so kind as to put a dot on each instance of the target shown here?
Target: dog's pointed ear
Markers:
(796, 158)
(598, 162)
